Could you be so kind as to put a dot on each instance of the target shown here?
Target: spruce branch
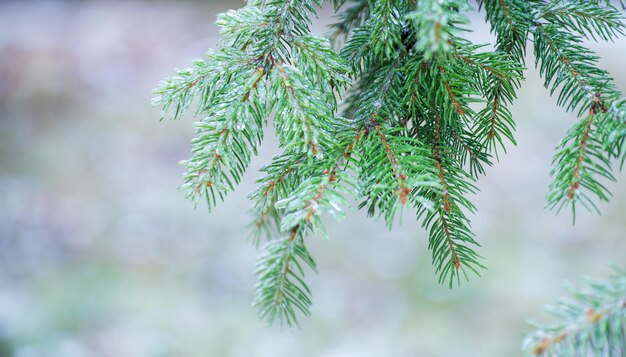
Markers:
(450, 235)
(578, 162)
(592, 321)
(496, 77)
(567, 65)
(378, 39)
(280, 180)
(582, 159)
(349, 19)
(584, 17)
(424, 111)
(393, 169)
(510, 20)
(224, 144)
(319, 193)
(614, 130)
(436, 22)
(280, 290)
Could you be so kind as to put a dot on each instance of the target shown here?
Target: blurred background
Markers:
(100, 255)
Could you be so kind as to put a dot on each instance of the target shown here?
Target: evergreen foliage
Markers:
(422, 111)
(591, 322)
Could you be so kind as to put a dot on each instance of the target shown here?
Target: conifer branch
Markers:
(349, 19)
(298, 209)
(472, 150)
(393, 169)
(447, 225)
(282, 177)
(497, 77)
(613, 130)
(510, 21)
(223, 148)
(378, 39)
(584, 17)
(319, 193)
(280, 289)
(424, 112)
(566, 64)
(581, 157)
(436, 23)
(591, 322)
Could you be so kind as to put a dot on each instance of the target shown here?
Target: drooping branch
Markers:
(425, 112)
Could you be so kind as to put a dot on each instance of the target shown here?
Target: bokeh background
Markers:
(100, 255)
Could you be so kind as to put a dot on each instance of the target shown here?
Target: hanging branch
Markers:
(424, 111)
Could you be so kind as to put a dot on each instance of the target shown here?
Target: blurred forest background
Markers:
(100, 255)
